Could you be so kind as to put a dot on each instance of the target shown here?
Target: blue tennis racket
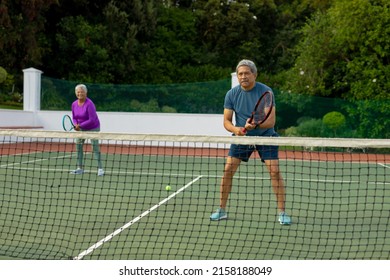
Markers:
(67, 123)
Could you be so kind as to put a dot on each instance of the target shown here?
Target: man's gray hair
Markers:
(249, 63)
(82, 86)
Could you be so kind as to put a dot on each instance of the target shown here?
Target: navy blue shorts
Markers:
(244, 152)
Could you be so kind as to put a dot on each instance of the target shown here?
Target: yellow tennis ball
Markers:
(168, 188)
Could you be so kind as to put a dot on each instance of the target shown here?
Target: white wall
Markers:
(145, 123)
(138, 123)
(17, 118)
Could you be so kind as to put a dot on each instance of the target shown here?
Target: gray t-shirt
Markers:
(243, 102)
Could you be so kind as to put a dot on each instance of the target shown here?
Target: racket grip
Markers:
(244, 130)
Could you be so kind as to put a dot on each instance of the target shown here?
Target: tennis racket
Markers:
(262, 110)
(67, 123)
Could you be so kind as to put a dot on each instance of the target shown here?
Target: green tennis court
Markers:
(340, 209)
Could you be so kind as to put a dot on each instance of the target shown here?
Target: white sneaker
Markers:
(77, 171)
(100, 172)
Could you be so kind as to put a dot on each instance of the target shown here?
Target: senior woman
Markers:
(85, 118)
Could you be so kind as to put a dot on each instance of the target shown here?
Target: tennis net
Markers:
(337, 194)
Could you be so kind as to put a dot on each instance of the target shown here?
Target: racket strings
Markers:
(263, 108)
(67, 123)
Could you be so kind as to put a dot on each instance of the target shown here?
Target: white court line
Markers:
(130, 223)
(292, 179)
(30, 161)
(384, 165)
(113, 172)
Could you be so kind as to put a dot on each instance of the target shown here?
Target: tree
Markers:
(335, 121)
(104, 45)
(22, 39)
(8, 95)
(3, 75)
(345, 52)
(232, 30)
(128, 39)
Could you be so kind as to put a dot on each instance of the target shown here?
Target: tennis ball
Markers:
(168, 188)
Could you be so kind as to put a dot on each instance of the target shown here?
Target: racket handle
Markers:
(244, 130)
